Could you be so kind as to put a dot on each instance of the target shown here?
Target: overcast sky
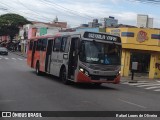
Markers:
(77, 12)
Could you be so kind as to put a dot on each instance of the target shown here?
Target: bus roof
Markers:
(85, 34)
(44, 36)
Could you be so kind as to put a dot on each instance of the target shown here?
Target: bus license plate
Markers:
(103, 78)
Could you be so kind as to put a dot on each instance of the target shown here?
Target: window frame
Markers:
(58, 47)
(64, 46)
(44, 40)
(31, 45)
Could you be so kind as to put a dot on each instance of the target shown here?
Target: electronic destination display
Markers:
(101, 36)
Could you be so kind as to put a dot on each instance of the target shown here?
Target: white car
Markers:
(3, 51)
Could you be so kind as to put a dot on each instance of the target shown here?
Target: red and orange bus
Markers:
(85, 57)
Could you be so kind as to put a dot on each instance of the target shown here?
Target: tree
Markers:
(10, 23)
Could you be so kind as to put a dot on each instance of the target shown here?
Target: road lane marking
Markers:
(132, 103)
(152, 87)
(139, 84)
(6, 58)
(124, 83)
(147, 85)
(14, 58)
(19, 59)
(157, 90)
(143, 81)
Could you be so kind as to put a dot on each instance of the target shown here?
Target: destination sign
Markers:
(100, 36)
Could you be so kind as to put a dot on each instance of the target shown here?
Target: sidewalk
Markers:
(19, 53)
(138, 79)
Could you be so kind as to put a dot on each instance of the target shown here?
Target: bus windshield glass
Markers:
(100, 53)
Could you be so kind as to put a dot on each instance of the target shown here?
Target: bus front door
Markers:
(48, 56)
(33, 52)
(73, 57)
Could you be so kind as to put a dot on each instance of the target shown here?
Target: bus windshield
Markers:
(100, 53)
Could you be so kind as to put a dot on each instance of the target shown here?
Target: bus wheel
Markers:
(38, 72)
(63, 76)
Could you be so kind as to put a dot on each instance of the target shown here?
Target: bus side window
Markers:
(44, 44)
(39, 44)
(30, 45)
(63, 44)
(68, 39)
(57, 44)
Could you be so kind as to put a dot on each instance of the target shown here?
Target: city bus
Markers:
(81, 57)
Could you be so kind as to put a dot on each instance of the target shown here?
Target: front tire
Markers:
(63, 76)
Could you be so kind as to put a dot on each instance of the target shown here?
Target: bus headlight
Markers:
(119, 73)
(84, 71)
(81, 69)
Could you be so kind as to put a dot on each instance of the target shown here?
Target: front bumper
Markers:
(3, 53)
(81, 77)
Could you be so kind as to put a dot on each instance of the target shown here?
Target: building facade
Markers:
(144, 21)
(38, 29)
(139, 45)
(94, 23)
(108, 22)
(4, 39)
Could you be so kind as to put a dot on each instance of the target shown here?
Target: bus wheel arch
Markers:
(63, 75)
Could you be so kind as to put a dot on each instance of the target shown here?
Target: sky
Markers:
(76, 12)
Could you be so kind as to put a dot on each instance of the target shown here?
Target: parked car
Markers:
(3, 51)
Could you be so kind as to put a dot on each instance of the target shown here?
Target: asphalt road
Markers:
(22, 90)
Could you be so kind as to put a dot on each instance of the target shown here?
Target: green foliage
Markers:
(10, 23)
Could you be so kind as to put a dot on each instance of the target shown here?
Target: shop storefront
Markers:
(140, 45)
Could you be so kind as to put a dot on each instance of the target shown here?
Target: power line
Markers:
(155, 2)
(36, 13)
(4, 9)
(66, 9)
(12, 10)
(72, 10)
(56, 7)
(150, 1)
(32, 15)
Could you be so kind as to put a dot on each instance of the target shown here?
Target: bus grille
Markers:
(103, 68)
(107, 78)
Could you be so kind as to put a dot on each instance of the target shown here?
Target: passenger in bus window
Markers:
(106, 61)
(113, 50)
(113, 54)
(106, 57)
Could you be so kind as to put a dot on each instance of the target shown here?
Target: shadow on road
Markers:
(77, 85)
(92, 86)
